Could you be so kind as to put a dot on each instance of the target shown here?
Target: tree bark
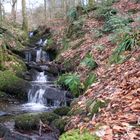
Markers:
(14, 2)
(24, 15)
(45, 10)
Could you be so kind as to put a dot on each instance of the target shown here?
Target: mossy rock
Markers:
(13, 85)
(60, 124)
(93, 106)
(48, 117)
(62, 111)
(3, 95)
(27, 122)
(76, 135)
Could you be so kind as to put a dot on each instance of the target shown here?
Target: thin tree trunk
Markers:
(14, 2)
(45, 10)
(24, 15)
(0, 11)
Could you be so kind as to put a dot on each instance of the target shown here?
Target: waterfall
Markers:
(38, 55)
(28, 56)
(36, 97)
(41, 77)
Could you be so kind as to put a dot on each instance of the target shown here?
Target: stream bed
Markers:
(43, 96)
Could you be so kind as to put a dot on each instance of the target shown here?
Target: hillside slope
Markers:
(107, 46)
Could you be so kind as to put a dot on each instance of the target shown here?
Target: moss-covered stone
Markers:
(13, 85)
(27, 122)
(60, 124)
(76, 135)
(62, 111)
(48, 117)
(3, 95)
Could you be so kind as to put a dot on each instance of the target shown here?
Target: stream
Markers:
(43, 94)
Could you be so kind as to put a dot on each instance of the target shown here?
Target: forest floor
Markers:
(118, 84)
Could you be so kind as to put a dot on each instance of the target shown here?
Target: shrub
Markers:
(76, 135)
(89, 62)
(72, 81)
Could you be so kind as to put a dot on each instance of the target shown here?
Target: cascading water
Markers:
(36, 100)
(41, 95)
(41, 78)
(38, 55)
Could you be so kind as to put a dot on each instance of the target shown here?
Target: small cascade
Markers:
(38, 54)
(41, 77)
(28, 56)
(36, 97)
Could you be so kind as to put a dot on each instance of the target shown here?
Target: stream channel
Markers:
(42, 94)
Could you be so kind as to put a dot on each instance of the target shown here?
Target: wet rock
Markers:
(3, 113)
(57, 94)
(3, 131)
(8, 134)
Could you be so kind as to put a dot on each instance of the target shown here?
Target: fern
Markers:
(128, 42)
(89, 62)
(104, 12)
(92, 78)
(72, 14)
(72, 81)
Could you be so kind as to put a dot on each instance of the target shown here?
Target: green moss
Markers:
(3, 95)
(48, 117)
(11, 84)
(76, 135)
(62, 111)
(27, 122)
(60, 124)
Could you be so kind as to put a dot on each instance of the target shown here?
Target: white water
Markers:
(38, 55)
(35, 97)
(41, 77)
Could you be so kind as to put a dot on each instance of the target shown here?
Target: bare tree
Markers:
(45, 9)
(24, 15)
(13, 11)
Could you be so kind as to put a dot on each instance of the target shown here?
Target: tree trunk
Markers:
(24, 15)
(45, 10)
(14, 10)
(0, 11)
